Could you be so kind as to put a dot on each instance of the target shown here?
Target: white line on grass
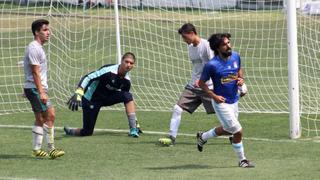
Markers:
(165, 133)
(18, 178)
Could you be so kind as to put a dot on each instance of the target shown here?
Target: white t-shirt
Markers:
(35, 55)
(199, 55)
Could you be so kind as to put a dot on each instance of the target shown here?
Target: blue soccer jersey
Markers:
(224, 74)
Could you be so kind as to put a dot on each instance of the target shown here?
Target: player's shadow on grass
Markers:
(186, 167)
(14, 156)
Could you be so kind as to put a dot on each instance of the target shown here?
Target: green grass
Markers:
(107, 155)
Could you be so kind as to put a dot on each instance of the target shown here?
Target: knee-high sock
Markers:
(132, 120)
(49, 135)
(209, 134)
(175, 121)
(238, 148)
(37, 137)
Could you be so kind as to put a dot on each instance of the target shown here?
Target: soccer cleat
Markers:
(39, 154)
(139, 128)
(134, 133)
(246, 164)
(231, 139)
(55, 153)
(169, 141)
(200, 141)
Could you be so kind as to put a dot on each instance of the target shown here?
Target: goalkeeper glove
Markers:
(75, 101)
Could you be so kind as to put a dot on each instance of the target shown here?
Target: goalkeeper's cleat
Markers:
(139, 128)
(246, 164)
(231, 139)
(55, 153)
(169, 141)
(134, 133)
(200, 141)
(67, 130)
(39, 154)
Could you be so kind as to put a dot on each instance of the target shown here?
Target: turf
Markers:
(109, 155)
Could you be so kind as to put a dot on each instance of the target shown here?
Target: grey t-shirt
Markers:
(35, 55)
(199, 55)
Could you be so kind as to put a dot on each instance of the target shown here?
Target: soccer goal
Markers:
(87, 34)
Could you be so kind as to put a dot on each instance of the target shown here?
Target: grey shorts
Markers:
(190, 100)
(34, 97)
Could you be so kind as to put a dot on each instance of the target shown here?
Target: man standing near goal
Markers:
(192, 96)
(226, 74)
(107, 86)
(36, 90)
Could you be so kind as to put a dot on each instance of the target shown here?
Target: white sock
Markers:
(37, 137)
(238, 148)
(175, 120)
(209, 134)
(49, 135)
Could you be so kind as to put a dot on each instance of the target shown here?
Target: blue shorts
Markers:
(37, 105)
(90, 109)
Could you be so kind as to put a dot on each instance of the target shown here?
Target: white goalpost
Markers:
(278, 43)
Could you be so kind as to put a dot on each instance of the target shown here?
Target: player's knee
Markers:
(52, 116)
(127, 97)
(235, 130)
(239, 133)
(177, 109)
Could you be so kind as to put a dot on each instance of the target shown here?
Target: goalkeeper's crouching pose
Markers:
(106, 86)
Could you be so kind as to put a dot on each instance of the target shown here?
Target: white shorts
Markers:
(228, 116)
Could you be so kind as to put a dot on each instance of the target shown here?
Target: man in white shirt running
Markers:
(192, 96)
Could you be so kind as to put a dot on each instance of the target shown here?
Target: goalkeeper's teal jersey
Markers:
(104, 82)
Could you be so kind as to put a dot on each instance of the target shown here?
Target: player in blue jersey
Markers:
(107, 86)
(226, 74)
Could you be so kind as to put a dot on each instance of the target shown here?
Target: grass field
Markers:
(110, 155)
(84, 41)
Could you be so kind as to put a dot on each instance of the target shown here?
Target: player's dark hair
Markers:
(216, 40)
(37, 24)
(129, 55)
(187, 28)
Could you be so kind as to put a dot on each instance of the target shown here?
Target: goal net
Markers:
(84, 38)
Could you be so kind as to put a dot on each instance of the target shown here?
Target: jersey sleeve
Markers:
(85, 80)
(209, 51)
(205, 75)
(33, 56)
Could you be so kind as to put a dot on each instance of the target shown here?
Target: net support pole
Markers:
(293, 71)
(116, 11)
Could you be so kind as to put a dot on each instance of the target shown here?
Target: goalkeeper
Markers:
(107, 86)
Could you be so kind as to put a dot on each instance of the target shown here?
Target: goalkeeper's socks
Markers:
(238, 148)
(69, 131)
(132, 120)
(209, 134)
(49, 135)
(37, 137)
(175, 121)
